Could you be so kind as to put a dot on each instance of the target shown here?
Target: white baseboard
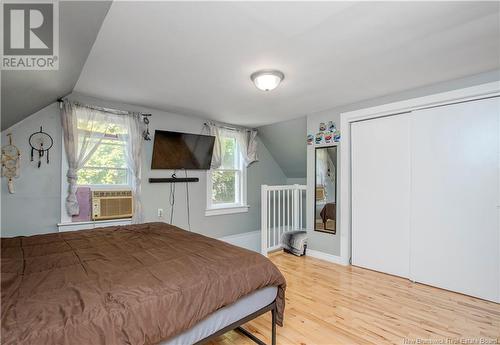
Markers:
(324, 256)
(249, 240)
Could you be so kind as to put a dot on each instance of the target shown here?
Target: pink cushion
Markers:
(83, 197)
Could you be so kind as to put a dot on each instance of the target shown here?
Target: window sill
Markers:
(106, 186)
(218, 211)
(74, 226)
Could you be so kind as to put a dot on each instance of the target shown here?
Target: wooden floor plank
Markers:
(331, 304)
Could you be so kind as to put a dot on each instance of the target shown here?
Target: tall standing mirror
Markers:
(325, 210)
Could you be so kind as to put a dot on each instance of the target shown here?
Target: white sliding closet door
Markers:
(380, 194)
(455, 197)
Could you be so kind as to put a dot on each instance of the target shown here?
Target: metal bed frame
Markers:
(237, 326)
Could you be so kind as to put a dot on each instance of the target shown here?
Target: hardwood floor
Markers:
(332, 304)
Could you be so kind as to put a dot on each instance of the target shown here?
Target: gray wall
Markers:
(285, 140)
(296, 180)
(329, 243)
(35, 208)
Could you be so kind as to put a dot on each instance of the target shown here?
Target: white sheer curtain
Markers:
(134, 144)
(81, 145)
(213, 130)
(247, 141)
(133, 139)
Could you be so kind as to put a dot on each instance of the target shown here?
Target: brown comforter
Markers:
(329, 211)
(137, 284)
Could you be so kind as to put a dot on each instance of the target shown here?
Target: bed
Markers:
(329, 211)
(151, 283)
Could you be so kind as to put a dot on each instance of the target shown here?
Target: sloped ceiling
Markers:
(196, 58)
(286, 142)
(26, 92)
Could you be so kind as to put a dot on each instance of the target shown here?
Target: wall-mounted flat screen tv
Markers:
(174, 150)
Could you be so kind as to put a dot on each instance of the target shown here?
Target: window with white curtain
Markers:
(102, 150)
(108, 165)
(226, 185)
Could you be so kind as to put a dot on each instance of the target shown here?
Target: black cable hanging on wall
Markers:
(172, 198)
(187, 201)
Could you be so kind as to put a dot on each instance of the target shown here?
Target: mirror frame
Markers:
(331, 232)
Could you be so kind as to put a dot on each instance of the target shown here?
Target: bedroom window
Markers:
(226, 185)
(107, 166)
(101, 151)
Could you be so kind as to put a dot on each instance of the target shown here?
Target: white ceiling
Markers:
(196, 58)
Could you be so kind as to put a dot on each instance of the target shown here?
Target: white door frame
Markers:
(460, 95)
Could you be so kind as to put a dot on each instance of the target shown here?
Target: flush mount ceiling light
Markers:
(267, 80)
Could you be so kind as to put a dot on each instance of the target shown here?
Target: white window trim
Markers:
(66, 223)
(226, 210)
(230, 208)
(92, 224)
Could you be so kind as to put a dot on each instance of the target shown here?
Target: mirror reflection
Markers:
(326, 189)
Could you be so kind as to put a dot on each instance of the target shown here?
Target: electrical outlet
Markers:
(160, 213)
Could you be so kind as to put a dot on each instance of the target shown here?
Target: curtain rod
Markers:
(108, 110)
(233, 128)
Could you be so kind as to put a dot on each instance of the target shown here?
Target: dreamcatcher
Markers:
(41, 142)
(10, 163)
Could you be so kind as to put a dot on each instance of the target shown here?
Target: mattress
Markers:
(225, 316)
(137, 284)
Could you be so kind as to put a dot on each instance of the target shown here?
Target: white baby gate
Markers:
(282, 210)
